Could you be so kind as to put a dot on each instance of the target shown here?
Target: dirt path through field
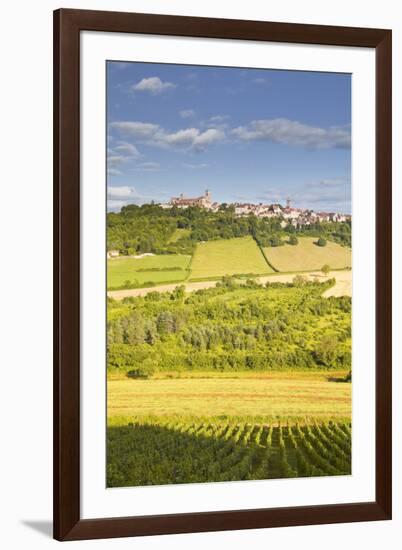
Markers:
(343, 285)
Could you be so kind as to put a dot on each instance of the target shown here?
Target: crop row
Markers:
(184, 452)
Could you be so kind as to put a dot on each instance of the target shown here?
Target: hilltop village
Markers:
(295, 216)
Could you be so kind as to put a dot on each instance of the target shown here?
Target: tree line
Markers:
(231, 327)
(149, 228)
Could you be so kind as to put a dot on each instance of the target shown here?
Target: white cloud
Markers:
(187, 113)
(279, 130)
(137, 129)
(181, 137)
(125, 152)
(212, 135)
(195, 166)
(291, 132)
(153, 85)
(117, 197)
(219, 122)
(122, 192)
(122, 153)
(148, 167)
(127, 149)
(332, 196)
(218, 118)
(152, 134)
(113, 171)
(115, 160)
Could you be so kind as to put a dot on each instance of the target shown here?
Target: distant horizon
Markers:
(283, 204)
(248, 135)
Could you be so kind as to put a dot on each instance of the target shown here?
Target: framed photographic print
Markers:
(222, 233)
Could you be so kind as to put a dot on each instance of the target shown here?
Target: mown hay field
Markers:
(154, 269)
(307, 256)
(228, 257)
(279, 395)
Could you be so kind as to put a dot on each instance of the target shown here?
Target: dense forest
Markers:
(234, 326)
(150, 228)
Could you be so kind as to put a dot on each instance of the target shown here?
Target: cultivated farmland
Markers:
(194, 451)
(228, 257)
(227, 426)
(156, 269)
(307, 256)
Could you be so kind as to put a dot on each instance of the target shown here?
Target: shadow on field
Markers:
(159, 454)
(150, 454)
(337, 379)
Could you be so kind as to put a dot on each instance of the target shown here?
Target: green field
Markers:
(215, 259)
(307, 256)
(228, 257)
(140, 271)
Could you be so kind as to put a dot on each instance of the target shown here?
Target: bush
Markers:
(275, 241)
(321, 242)
(326, 351)
(299, 280)
(348, 377)
(145, 370)
(293, 240)
(326, 269)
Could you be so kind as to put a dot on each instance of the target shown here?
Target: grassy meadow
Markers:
(156, 269)
(228, 257)
(307, 256)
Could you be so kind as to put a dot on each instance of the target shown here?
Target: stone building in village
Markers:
(205, 201)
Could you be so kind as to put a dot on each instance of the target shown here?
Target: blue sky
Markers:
(248, 135)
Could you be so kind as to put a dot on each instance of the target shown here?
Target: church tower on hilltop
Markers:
(207, 199)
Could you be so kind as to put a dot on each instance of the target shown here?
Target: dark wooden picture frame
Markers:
(67, 26)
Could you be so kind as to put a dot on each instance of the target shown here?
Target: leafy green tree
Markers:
(135, 331)
(326, 350)
(326, 269)
(178, 293)
(275, 241)
(165, 322)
